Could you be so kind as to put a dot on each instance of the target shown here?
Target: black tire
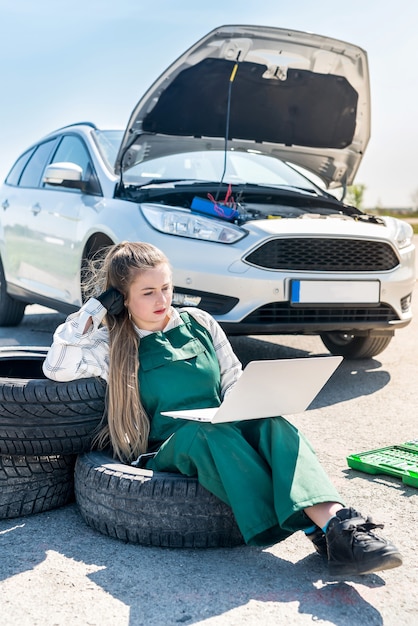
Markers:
(353, 347)
(151, 508)
(11, 310)
(34, 484)
(41, 417)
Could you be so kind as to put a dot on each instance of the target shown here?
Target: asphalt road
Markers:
(54, 570)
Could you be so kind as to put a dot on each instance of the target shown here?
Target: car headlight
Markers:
(184, 223)
(401, 232)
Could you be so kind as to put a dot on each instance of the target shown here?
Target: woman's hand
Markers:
(112, 300)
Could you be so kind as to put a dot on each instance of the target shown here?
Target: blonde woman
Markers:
(156, 358)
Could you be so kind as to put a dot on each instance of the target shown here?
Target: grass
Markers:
(410, 217)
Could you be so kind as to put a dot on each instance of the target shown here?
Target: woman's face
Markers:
(149, 298)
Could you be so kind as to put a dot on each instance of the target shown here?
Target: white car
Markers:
(209, 170)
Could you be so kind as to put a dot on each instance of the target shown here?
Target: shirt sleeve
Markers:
(77, 354)
(230, 366)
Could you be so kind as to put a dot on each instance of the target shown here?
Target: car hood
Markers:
(297, 96)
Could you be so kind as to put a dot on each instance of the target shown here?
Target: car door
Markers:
(50, 252)
(20, 220)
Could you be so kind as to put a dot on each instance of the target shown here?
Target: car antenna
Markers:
(228, 112)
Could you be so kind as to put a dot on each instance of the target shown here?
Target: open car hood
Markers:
(301, 97)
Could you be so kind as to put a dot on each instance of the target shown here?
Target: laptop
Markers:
(267, 389)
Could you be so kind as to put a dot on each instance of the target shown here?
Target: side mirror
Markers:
(64, 175)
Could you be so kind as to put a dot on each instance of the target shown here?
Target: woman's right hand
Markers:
(112, 300)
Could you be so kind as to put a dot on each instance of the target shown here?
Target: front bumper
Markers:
(282, 318)
(252, 294)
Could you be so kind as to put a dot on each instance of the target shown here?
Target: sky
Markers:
(91, 60)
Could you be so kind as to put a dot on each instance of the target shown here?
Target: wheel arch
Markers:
(93, 245)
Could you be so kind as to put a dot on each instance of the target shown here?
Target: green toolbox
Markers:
(399, 460)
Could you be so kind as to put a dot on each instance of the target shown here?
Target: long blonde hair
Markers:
(127, 425)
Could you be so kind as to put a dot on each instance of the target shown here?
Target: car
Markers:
(234, 162)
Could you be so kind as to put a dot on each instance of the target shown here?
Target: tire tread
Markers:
(42, 417)
(34, 484)
(154, 509)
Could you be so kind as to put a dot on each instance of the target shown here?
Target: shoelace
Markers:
(362, 527)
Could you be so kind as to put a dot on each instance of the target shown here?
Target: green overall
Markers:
(264, 469)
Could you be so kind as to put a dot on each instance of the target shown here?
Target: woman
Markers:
(156, 358)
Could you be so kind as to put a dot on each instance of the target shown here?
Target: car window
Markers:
(108, 142)
(15, 172)
(33, 171)
(72, 150)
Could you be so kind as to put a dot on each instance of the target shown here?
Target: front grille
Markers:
(282, 313)
(324, 255)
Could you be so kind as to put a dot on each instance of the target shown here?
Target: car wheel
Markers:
(34, 484)
(11, 310)
(39, 416)
(151, 508)
(354, 347)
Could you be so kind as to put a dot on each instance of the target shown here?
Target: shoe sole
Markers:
(388, 561)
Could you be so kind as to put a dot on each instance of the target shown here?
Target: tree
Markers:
(355, 195)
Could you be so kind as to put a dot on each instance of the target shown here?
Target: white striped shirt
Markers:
(77, 354)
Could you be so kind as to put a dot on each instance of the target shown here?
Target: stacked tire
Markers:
(44, 425)
(46, 434)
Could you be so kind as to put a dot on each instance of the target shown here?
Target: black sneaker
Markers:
(354, 549)
(319, 541)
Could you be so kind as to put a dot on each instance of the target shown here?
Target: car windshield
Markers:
(240, 167)
(108, 142)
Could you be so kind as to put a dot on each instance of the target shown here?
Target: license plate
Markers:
(334, 292)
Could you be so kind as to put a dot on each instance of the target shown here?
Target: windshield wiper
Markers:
(153, 182)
